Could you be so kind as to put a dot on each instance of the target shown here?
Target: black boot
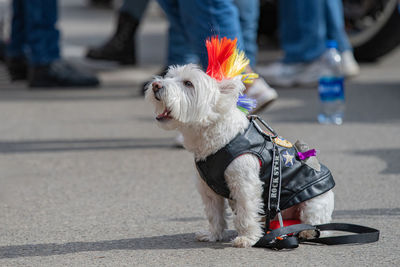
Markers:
(121, 46)
(2, 50)
(60, 74)
(17, 68)
(101, 3)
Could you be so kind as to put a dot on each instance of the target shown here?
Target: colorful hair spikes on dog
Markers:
(225, 61)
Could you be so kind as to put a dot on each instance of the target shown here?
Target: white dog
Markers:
(204, 111)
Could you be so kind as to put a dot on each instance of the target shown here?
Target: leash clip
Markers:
(264, 123)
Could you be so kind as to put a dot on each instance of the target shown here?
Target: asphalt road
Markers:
(87, 179)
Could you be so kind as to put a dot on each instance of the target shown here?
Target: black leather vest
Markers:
(300, 182)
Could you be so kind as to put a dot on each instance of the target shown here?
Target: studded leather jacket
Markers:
(299, 181)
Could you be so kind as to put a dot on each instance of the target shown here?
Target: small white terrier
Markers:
(204, 111)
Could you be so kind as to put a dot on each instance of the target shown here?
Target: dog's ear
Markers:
(229, 90)
(231, 86)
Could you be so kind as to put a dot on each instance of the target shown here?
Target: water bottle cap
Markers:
(331, 44)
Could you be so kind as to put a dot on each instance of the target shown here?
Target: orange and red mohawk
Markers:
(224, 59)
(225, 62)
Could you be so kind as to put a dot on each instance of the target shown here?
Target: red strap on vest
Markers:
(275, 224)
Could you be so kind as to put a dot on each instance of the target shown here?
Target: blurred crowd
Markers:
(32, 50)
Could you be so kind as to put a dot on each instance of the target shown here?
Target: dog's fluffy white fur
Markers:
(204, 111)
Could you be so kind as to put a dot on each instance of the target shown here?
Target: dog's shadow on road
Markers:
(178, 241)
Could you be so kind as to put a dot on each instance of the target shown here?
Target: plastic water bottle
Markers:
(331, 87)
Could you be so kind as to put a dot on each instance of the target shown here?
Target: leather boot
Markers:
(17, 68)
(2, 50)
(101, 3)
(121, 46)
(60, 74)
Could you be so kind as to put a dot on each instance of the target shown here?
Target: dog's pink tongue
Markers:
(165, 114)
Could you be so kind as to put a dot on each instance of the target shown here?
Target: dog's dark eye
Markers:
(188, 84)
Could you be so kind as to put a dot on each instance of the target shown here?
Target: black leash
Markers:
(363, 234)
(288, 237)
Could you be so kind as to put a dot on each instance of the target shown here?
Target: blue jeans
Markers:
(306, 25)
(193, 21)
(33, 31)
(135, 8)
(249, 12)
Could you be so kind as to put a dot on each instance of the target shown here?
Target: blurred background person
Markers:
(191, 22)
(33, 51)
(304, 28)
(187, 34)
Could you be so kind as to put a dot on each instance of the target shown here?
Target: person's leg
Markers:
(220, 17)
(42, 36)
(179, 50)
(16, 44)
(249, 11)
(43, 52)
(335, 24)
(302, 29)
(15, 50)
(336, 31)
(303, 39)
(205, 18)
(135, 8)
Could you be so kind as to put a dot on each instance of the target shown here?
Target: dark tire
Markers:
(381, 35)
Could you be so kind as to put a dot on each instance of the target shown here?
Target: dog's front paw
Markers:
(308, 234)
(243, 242)
(207, 236)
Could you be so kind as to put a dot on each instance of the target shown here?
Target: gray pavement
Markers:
(87, 179)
